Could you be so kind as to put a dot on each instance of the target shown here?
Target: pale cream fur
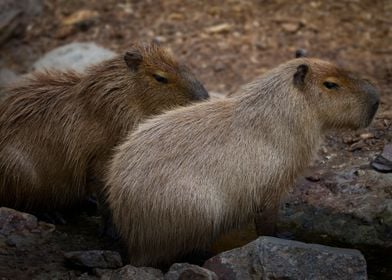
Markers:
(189, 175)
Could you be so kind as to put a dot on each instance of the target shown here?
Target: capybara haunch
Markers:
(185, 177)
(58, 129)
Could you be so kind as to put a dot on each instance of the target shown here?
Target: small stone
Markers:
(94, 259)
(160, 39)
(383, 162)
(313, 178)
(348, 139)
(126, 8)
(64, 31)
(134, 273)
(220, 28)
(81, 17)
(366, 136)
(291, 27)
(176, 16)
(359, 172)
(183, 271)
(301, 53)
(357, 146)
(387, 152)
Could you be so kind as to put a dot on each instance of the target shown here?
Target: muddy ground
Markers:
(226, 44)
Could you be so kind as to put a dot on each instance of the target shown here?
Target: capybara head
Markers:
(340, 98)
(163, 81)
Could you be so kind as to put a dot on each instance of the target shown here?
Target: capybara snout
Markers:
(373, 98)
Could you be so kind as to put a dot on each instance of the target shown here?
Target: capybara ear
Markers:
(300, 74)
(301, 53)
(133, 59)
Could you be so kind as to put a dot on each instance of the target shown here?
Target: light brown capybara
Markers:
(58, 129)
(184, 178)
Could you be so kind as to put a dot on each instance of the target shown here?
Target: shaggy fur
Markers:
(184, 178)
(58, 129)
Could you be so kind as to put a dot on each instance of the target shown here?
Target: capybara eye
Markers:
(331, 85)
(160, 79)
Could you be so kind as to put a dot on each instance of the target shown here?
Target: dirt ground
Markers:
(227, 44)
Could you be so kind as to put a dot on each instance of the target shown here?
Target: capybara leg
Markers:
(19, 180)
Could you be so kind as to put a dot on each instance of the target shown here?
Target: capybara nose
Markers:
(373, 99)
(200, 92)
(372, 92)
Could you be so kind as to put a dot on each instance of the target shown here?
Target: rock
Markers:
(220, 28)
(76, 56)
(15, 15)
(366, 136)
(81, 17)
(291, 27)
(79, 20)
(383, 162)
(18, 228)
(357, 146)
(184, 271)
(274, 258)
(301, 53)
(94, 259)
(351, 206)
(134, 273)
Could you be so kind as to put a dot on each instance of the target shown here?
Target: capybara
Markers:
(58, 129)
(184, 178)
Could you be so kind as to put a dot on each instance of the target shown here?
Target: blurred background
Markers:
(227, 43)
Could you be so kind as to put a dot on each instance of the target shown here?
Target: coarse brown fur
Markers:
(58, 129)
(184, 178)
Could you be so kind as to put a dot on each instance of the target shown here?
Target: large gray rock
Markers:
(184, 271)
(274, 258)
(94, 259)
(352, 205)
(75, 56)
(18, 228)
(134, 273)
